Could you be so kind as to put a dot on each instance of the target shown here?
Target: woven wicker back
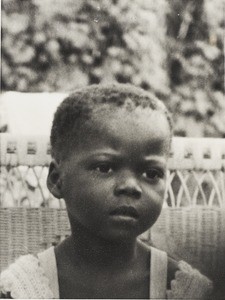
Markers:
(194, 234)
(191, 226)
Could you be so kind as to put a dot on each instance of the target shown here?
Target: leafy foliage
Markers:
(195, 66)
(173, 47)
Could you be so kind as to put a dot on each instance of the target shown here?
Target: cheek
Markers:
(156, 192)
(152, 209)
(155, 197)
(86, 190)
(154, 204)
(93, 186)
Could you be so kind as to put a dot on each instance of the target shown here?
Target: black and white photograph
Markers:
(112, 149)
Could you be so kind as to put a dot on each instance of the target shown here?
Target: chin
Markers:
(121, 235)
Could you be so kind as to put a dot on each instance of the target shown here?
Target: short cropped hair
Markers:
(79, 106)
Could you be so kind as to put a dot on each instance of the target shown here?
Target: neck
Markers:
(99, 252)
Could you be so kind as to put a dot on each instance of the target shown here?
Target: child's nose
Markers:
(128, 185)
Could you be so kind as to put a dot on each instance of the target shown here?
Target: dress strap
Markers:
(158, 274)
(48, 263)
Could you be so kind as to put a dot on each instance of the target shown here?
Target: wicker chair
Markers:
(191, 226)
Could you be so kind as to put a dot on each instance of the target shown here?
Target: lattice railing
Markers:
(26, 186)
(196, 173)
(190, 188)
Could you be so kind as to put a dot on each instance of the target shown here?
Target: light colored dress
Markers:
(36, 277)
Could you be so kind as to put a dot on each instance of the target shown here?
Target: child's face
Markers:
(114, 182)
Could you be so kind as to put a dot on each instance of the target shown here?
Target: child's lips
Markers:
(125, 212)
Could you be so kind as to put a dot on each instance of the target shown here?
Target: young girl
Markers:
(110, 146)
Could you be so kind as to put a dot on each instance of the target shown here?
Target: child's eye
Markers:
(153, 174)
(104, 168)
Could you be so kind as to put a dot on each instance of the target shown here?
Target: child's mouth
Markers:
(125, 212)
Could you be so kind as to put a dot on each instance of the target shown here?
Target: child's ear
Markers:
(54, 180)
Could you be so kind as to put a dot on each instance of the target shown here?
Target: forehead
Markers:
(141, 128)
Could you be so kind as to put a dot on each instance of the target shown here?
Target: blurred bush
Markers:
(174, 48)
(195, 38)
